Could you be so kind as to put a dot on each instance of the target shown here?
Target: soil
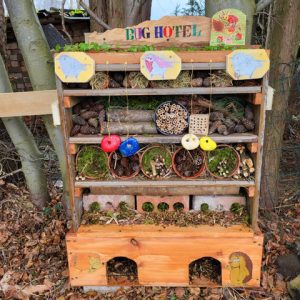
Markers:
(222, 161)
(92, 162)
(205, 271)
(189, 163)
(122, 271)
(124, 166)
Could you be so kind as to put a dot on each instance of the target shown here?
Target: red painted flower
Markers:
(232, 19)
(110, 143)
(231, 29)
(220, 38)
(238, 36)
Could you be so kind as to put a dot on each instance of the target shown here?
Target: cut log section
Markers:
(128, 128)
(123, 115)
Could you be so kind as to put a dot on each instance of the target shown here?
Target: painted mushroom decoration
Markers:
(129, 147)
(110, 143)
(190, 141)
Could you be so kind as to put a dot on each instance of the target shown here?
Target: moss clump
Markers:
(222, 159)
(152, 154)
(163, 206)
(92, 162)
(237, 208)
(148, 207)
(204, 207)
(95, 207)
(178, 206)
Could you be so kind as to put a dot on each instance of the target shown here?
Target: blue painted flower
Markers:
(129, 147)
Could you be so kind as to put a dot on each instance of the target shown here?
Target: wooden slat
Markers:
(158, 138)
(184, 66)
(165, 91)
(27, 103)
(256, 99)
(252, 147)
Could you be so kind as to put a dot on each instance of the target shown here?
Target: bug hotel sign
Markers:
(175, 31)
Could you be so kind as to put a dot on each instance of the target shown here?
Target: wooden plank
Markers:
(27, 103)
(161, 139)
(92, 247)
(256, 99)
(70, 101)
(250, 191)
(167, 191)
(184, 66)
(164, 91)
(73, 148)
(252, 147)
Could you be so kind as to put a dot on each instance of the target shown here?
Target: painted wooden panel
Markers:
(228, 27)
(247, 64)
(74, 67)
(160, 65)
(168, 31)
(163, 254)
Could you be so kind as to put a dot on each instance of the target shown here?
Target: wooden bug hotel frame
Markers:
(162, 255)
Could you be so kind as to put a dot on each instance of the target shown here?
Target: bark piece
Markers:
(128, 128)
(124, 115)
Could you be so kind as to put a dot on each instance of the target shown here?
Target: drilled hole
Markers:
(147, 206)
(178, 206)
(163, 206)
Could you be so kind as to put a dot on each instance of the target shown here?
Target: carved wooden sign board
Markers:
(168, 31)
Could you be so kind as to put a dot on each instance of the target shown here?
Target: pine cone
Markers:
(223, 130)
(229, 122)
(114, 84)
(78, 120)
(249, 124)
(197, 82)
(248, 112)
(215, 125)
(93, 122)
(89, 114)
(76, 109)
(87, 129)
(101, 116)
(206, 81)
(97, 107)
(216, 116)
(240, 128)
(75, 130)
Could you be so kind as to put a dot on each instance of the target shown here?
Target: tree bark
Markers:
(2, 32)
(246, 6)
(128, 128)
(122, 115)
(284, 45)
(99, 7)
(39, 64)
(29, 153)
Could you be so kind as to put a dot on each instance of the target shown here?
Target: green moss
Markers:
(152, 154)
(178, 206)
(148, 207)
(237, 208)
(92, 162)
(163, 206)
(220, 154)
(94, 47)
(95, 207)
(204, 207)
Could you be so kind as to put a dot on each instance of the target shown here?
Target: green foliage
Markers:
(148, 207)
(178, 206)
(95, 207)
(123, 206)
(204, 207)
(237, 208)
(152, 154)
(92, 162)
(163, 206)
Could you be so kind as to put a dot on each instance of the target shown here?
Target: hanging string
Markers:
(192, 74)
(108, 129)
(127, 99)
(211, 90)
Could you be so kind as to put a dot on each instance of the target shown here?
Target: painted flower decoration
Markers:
(232, 19)
(220, 38)
(238, 36)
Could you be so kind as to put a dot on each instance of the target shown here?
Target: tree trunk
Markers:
(124, 115)
(246, 6)
(128, 128)
(284, 45)
(24, 142)
(120, 13)
(2, 31)
(39, 64)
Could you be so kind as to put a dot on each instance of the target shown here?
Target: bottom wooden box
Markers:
(163, 256)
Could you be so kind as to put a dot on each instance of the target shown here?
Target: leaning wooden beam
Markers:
(28, 103)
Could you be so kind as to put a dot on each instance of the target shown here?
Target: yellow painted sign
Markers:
(160, 65)
(240, 266)
(74, 67)
(247, 64)
(228, 27)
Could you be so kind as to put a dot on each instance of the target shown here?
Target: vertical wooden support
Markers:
(252, 147)
(259, 154)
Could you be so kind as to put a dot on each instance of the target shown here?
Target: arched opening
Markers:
(121, 271)
(205, 271)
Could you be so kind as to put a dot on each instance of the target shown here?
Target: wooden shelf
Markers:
(164, 91)
(162, 139)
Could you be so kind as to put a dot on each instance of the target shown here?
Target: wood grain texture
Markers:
(170, 139)
(157, 265)
(27, 103)
(165, 91)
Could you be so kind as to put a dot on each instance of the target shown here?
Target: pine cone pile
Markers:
(86, 118)
(226, 124)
